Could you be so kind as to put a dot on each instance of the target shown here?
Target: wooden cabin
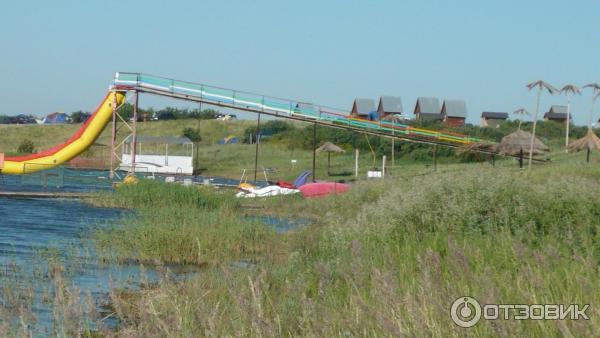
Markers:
(556, 114)
(454, 112)
(427, 108)
(362, 108)
(389, 106)
(493, 119)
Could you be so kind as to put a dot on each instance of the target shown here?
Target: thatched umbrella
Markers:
(329, 148)
(589, 142)
(479, 147)
(515, 143)
(540, 85)
(521, 112)
(569, 90)
(595, 94)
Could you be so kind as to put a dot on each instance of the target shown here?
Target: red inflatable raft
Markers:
(322, 188)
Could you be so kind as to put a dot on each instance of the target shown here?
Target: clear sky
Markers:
(61, 55)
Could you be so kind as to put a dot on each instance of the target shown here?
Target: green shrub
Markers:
(26, 147)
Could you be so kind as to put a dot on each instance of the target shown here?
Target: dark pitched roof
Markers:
(390, 105)
(494, 115)
(427, 105)
(455, 108)
(363, 106)
(556, 113)
(558, 109)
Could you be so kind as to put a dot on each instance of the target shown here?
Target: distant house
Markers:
(493, 119)
(454, 112)
(428, 108)
(389, 105)
(56, 118)
(557, 114)
(363, 109)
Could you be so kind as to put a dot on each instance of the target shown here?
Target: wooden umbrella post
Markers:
(356, 162)
(256, 151)
(435, 157)
(521, 158)
(588, 155)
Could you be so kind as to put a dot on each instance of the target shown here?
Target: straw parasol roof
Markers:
(513, 143)
(330, 148)
(589, 141)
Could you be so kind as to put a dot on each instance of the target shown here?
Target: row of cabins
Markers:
(452, 112)
(555, 113)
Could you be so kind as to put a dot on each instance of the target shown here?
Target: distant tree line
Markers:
(126, 111)
(168, 113)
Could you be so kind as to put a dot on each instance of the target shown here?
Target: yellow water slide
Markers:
(82, 139)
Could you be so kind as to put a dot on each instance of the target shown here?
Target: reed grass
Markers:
(151, 194)
(179, 224)
(388, 259)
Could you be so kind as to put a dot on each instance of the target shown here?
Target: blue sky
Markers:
(61, 55)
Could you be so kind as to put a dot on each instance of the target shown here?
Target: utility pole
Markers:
(256, 151)
(314, 164)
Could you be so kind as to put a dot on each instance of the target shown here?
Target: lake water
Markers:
(34, 232)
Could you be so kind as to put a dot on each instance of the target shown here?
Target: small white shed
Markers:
(159, 155)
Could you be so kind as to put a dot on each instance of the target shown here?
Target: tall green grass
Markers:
(179, 224)
(388, 259)
(157, 194)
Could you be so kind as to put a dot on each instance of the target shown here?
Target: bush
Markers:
(26, 147)
(269, 128)
(192, 134)
(79, 116)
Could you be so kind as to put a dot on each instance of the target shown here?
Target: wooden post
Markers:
(383, 166)
(256, 151)
(393, 151)
(133, 143)
(356, 163)
(113, 136)
(166, 154)
(328, 162)
(435, 157)
(588, 155)
(393, 144)
(521, 158)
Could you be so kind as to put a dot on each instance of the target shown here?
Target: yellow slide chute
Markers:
(82, 139)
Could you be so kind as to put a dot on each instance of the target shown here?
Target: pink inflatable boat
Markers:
(322, 189)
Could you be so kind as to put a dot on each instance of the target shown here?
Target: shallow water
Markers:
(34, 232)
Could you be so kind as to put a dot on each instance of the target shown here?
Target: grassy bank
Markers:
(180, 225)
(386, 259)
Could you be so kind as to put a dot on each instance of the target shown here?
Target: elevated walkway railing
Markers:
(278, 106)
